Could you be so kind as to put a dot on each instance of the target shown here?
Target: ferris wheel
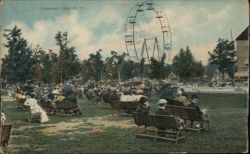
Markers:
(147, 33)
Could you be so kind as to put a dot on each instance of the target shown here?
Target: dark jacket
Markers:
(161, 111)
(72, 99)
(143, 109)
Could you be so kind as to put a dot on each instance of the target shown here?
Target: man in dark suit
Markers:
(143, 106)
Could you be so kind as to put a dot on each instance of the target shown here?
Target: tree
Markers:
(224, 56)
(183, 64)
(127, 69)
(158, 68)
(93, 66)
(68, 63)
(198, 70)
(16, 65)
(48, 61)
(210, 71)
(38, 53)
(113, 64)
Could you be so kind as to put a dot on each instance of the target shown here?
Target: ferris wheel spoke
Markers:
(147, 32)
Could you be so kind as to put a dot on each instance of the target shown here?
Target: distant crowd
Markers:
(36, 95)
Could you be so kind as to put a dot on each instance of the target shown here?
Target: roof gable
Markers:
(243, 35)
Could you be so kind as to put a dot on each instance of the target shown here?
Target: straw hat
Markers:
(179, 92)
(162, 101)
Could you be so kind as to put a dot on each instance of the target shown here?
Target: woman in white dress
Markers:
(35, 108)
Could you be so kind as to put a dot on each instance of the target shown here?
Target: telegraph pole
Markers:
(233, 64)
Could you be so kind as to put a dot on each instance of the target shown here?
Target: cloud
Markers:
(200, 52)
(197, 26)
(42, 32)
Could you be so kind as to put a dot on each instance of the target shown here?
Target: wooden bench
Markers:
(47, 106)
(164, 127)
(65, 107)
(189, 114)
(174, 102)
(114, 103)
(127, 107)
(5, 137)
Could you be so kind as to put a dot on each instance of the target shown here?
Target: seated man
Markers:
(194, 104)
(182, 99)
(143, 106)
(184, 93)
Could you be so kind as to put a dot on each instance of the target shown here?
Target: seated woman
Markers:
(20, 98)
(35, 109)
(161, 111)
(3, 118)
(143, 106)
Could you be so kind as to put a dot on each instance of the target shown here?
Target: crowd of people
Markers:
(183, 100)
(35, 95)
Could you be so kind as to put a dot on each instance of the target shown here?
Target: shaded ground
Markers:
(98, 131)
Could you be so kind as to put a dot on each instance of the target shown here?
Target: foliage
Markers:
(183, 64)
(68, 64)
(158, 68)
(210, 71)
(198, 70)
(113, 64)
(127, 69)
(224, 55)
(93, 66)
(16, 64)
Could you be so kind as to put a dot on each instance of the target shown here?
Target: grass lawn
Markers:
(98, 131)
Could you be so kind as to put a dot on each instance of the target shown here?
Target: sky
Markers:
(100, 24)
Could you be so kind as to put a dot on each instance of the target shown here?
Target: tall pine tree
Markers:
(183, 64)
(224, 56)
(17, 64)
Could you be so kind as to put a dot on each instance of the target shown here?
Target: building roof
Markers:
(243, 35)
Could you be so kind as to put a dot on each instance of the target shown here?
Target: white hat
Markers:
(162, 101)
(179, 92)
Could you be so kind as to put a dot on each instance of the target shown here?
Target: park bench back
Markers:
(143, 119)
(174, 102)
(131, 106)
(165, 121)
(45, 104)
(65, 105)
(114, 103)
(166, 124)
(186, 113)
(138, 118)
(149, 119)
(5, 134)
